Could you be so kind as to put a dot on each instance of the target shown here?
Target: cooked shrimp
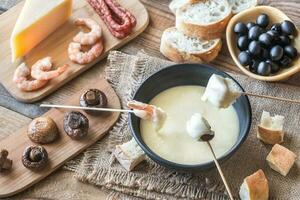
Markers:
(148, 112)
(41, 70)
(76, 55)
(91, 37)
(21, 78)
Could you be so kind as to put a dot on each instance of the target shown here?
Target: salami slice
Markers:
(119, 21)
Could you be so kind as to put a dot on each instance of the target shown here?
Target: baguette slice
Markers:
(204, 19)
(175, 4)
(281, 159)
(129, 154)
(255, 187)
(270, 129)
(241, 5)
(180, 48)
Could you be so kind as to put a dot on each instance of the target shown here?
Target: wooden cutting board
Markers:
(56, 46)
(61, 150)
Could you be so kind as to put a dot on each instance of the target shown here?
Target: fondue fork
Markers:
(199, 129)
(85, 108)
(220, 171)
(271, 97)
(206, 138)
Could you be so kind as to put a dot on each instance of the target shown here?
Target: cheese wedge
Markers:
(38, 19)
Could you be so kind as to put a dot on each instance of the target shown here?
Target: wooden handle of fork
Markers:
(220, 171)
(271, 97)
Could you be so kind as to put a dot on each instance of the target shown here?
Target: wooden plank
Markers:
(59, 185)
(10, 122)
(33, 110)
(61, 150)
(56, 46)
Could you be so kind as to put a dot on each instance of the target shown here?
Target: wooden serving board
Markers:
(61, 150)
(56, 46)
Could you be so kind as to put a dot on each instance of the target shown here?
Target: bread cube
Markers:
(129, 154)
(270, 129)
(255, 187)
(281, 159)
(221, 92)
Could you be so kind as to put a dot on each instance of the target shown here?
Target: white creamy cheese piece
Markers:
(221, 92)
(198, 126)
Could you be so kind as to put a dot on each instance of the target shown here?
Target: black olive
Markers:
(254, 48)
(250, 25)
(288, 27)
(255, 32)
(276, 27)
(290, 51)
(254, 65)
(264, 68)
(285, 61)
(274, 66)
(243, 43)
(284, 40)
(275, 36)
(244, 58)
(276, 53)
(264, 54)
(240, 28)
(262, 20)
(265, 39)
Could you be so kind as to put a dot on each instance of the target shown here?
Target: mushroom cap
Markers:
(35, 157)
(93, 98)
(76, 125)
(42, 130)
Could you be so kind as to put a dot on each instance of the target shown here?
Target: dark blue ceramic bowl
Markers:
(187, 74)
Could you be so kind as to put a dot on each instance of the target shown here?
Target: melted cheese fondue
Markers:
(173, 143)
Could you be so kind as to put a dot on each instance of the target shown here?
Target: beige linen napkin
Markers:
(151, 181)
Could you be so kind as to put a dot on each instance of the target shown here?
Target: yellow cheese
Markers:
(38, 19)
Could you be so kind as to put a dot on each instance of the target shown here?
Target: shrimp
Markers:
(41, 70)
(91, 37)
(21, 78)
(80, 57)
(148, 112)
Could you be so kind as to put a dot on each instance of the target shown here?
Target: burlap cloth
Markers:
(151, 181)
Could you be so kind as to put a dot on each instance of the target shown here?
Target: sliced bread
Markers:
(175, 4)
(241, 5)
(204, 19)
(181, 48)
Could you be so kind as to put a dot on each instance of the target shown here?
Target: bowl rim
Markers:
(229, 32)
(158, 159)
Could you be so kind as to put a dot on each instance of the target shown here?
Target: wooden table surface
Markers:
(14, 115)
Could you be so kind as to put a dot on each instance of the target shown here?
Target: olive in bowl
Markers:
(268, 42)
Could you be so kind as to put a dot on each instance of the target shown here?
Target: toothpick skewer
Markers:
(220, 171)
(271, 97)
(85, 108)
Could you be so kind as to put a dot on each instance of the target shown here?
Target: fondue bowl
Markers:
(186, 75)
